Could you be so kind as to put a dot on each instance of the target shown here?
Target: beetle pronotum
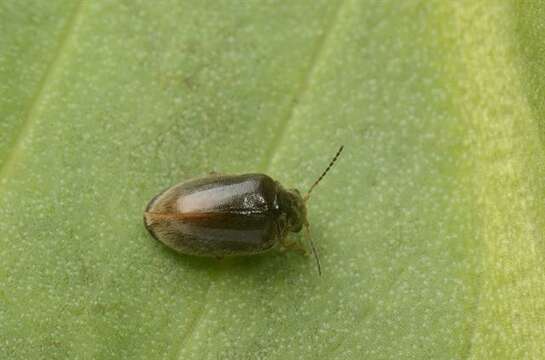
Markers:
(231, 215)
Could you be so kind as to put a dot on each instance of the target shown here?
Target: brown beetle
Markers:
(230, 215)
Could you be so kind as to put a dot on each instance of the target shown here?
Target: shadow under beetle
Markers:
(230, 215)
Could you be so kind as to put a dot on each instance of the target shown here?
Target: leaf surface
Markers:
(430, 226)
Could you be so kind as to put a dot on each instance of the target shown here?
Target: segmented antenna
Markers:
(307, 225)
(325, 172)
(313, 248)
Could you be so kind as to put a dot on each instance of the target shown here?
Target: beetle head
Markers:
(292, 204)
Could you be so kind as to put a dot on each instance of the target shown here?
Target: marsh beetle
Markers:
(230, 215)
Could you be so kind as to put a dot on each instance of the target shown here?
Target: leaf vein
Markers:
(194, 323)
(277, 139)
(303, 86)
(33, 106)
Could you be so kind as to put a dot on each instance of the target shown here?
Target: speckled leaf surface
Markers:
(430, 227)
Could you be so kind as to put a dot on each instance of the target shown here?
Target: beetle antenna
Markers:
(325, 172)
(313, 248)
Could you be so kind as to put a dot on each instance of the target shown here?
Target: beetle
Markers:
(230, 215)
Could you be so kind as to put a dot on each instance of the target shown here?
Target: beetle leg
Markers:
(293, 246)
(282, 234)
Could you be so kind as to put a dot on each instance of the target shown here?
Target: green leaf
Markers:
(430, 226)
